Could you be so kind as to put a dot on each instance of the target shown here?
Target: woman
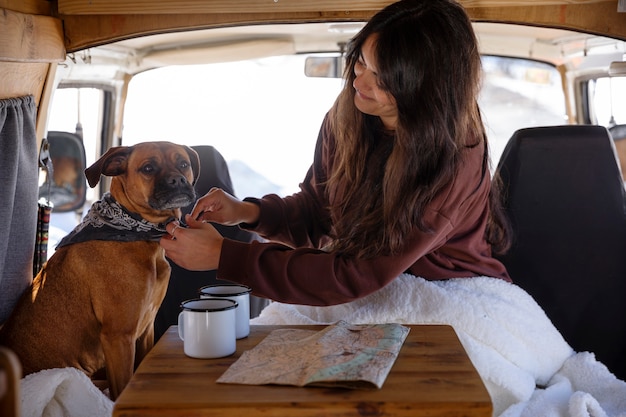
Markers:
(399, 182)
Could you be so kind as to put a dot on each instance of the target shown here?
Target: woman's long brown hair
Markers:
(428, 60)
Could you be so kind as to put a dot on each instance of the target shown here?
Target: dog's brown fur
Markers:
(93, 304)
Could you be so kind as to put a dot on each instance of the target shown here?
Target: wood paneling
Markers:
(30, 38)
(44, 100)
(260, 6)
(31, 45)
(19, 79)
(599, 18)
(81, 31)
(85, 31)
(41, 7)
(10, 376)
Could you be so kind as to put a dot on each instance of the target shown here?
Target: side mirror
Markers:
(66, 188)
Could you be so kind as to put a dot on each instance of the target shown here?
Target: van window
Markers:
(263, 115)
(608, 100)
(78, 110)
(73, 110)
(518, 93)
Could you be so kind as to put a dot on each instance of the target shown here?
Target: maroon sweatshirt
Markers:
(293, 267)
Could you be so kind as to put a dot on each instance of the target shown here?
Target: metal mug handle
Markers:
(181, 325)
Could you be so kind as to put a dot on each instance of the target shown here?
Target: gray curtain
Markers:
(18, 198)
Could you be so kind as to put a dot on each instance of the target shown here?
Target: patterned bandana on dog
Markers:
(108, 220)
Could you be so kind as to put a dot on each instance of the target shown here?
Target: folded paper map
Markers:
(340, 355)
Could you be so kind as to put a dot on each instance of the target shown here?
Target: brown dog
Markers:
(93, 304)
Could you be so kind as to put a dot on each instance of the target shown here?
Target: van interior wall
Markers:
(88, 23)
(31, 45)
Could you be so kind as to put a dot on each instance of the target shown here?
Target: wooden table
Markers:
(432, 376)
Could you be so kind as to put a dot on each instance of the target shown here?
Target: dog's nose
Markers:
(177, 180)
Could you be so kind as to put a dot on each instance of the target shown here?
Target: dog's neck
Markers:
(109, 220)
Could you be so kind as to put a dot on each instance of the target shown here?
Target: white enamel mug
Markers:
(207, 327)
(238, 293)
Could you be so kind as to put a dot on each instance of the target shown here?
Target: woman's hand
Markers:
(220, 207)
(197, 247)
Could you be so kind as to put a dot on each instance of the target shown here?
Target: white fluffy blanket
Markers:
(526, 365)
(62, 392)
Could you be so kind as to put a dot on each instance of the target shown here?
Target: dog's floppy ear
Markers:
(195, 162)
(112, 163)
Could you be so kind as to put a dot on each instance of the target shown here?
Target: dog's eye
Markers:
(147, 169)
(183, 164)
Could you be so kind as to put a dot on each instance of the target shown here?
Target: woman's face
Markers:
(370, 98)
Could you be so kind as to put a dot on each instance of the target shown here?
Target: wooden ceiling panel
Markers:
(262, 6)
(30, 38)
(85, 24)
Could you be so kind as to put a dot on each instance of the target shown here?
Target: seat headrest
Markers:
(565, 165)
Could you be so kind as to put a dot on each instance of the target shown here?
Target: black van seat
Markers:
(185, 284)
(564, 194)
